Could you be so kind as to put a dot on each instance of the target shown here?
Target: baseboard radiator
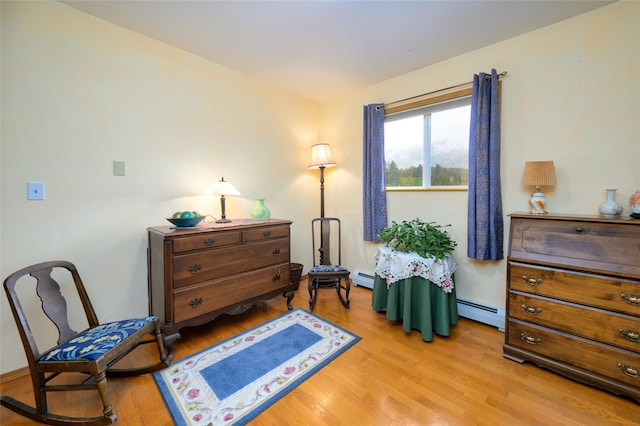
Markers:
(481, 313)
(361, 279)
(466, 308)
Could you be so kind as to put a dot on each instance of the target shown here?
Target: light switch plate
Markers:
(118, 168)
(35, 191)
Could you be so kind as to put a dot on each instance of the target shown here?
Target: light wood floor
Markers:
(388, 378)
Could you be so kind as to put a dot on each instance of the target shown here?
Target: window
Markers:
(427, 142)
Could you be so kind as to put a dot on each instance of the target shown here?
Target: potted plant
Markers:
(424, 238)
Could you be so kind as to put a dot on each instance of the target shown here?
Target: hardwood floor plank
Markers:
(388, 378)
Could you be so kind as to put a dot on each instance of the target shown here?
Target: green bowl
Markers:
(187, 222)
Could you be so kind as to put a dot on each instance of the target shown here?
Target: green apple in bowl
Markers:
(185, 219)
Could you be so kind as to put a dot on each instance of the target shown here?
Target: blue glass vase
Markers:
(259, 211)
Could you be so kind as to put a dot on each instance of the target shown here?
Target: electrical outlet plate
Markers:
(35, 190)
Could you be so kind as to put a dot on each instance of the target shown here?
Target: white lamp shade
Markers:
(321, 156)
(222, 187)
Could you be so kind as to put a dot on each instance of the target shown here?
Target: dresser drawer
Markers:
(250, 235)
(593, 290)
(597, 246)
(212, 264)
(205, 241)
(614, 329)
(211, 296)
(617, 364)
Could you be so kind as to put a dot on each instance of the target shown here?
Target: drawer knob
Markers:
(631, 335)
(196, 302)
(194, 269)
(531, 309)
(532, 280)
(629, 370)
(579, 229)
(209, 241)
(530, 339)
(266, 233)
(631, 299)
(275, 251)
(275, 278)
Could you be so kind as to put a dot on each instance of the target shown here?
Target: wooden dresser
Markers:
(197, 274)
(573, 298)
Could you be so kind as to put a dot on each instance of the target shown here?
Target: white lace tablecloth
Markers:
(393, 266)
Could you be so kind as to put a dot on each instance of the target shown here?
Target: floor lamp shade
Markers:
(538, 174)
(321, 157)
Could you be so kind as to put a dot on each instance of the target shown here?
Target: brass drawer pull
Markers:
(196, 302)
(629, 370)
(275, 278)
(209, 241)
(531, 309)
(532, 280)
(579, 229)
(266, 233)
(275, 251)
(530, 339)
(631, 335)
(631, 299)
(194, 269)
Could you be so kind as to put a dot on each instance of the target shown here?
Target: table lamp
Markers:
(222, 188)
(538, 173)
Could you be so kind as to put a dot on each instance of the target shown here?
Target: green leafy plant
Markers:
(424, 238)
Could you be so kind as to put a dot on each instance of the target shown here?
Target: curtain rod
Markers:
(502, 74)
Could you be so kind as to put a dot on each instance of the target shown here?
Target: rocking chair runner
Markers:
(326, 237)
(93, 351)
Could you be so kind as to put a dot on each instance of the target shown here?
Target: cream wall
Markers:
(571, 95)
(78, 93)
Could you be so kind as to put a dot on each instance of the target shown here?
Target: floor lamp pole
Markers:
(322, 191)
(324, 227)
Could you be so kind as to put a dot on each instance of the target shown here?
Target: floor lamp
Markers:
(322, 158)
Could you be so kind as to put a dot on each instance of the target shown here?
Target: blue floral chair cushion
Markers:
(329, 268)
(93, 343)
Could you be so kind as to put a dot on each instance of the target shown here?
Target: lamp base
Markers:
(537, 203)
(223, 220)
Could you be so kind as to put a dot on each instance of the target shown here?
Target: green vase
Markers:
(260, 211)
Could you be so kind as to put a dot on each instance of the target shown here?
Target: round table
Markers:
(419, 291)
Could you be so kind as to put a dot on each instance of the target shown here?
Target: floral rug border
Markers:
(191, 401)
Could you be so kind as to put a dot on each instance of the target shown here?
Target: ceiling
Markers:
(323, 49)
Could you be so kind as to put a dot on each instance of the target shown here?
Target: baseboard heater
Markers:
(481, 313)
(466, 308)
(361, 279)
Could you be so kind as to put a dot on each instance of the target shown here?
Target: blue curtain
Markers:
(485, 222)
(374, 188)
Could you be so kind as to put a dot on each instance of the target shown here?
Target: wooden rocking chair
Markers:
(93, 351)
(326, 237)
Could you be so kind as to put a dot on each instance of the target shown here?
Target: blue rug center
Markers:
(235, 372)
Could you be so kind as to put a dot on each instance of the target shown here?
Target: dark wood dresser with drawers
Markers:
(573, 298)
(199, 273)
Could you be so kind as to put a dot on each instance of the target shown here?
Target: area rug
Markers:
(235, 380)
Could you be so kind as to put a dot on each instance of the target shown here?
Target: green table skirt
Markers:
(420, 304)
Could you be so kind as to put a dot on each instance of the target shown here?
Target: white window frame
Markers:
(438, 101)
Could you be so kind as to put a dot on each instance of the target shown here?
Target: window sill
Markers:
(426, 189)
